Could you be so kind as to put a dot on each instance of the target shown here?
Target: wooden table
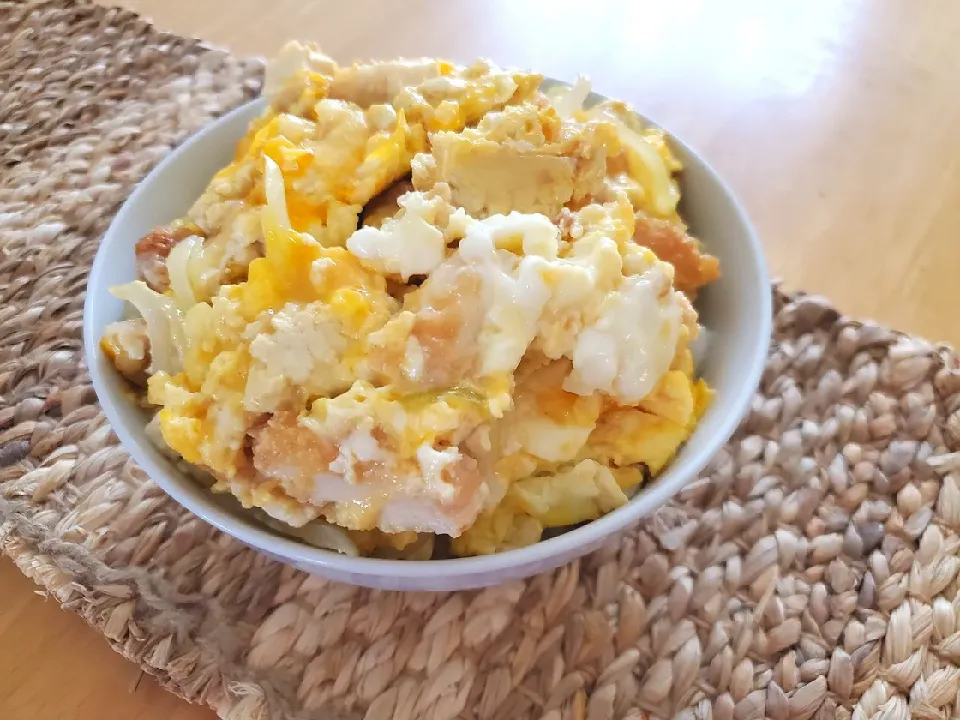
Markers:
(836, 122)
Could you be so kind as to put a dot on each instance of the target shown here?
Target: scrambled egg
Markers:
(497, 354)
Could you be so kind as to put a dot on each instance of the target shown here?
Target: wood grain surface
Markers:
(835, 122)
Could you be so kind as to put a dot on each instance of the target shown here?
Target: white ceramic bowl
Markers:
(736, 310)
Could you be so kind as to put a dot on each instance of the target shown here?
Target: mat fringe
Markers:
(811, 572)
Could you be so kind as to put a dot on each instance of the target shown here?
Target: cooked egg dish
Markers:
(427, 310)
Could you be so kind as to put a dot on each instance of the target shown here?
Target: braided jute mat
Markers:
(810, 572)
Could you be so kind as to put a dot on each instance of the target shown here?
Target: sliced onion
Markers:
(568, 101)
(317, 533)
(178, 269)
(421, 549)
(164, 325)
(328, 536)
(276, 195)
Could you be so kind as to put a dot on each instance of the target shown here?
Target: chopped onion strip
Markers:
(570, 100)
(178, 268)
(164, 325)
(317, 533)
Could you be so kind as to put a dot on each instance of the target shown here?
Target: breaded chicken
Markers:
(434, 342)
(127, 345)
(671, 243)
(349, 474)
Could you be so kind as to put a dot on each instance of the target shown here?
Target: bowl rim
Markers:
(647, 499)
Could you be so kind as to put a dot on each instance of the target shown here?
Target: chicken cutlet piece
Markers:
(127, 345)
(475, 315)
(358, 483)
(434, 342)
(385, 204)
(693, 268)
(448, 324)
(524, 159)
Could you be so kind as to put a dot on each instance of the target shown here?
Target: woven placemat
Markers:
(811, 571)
